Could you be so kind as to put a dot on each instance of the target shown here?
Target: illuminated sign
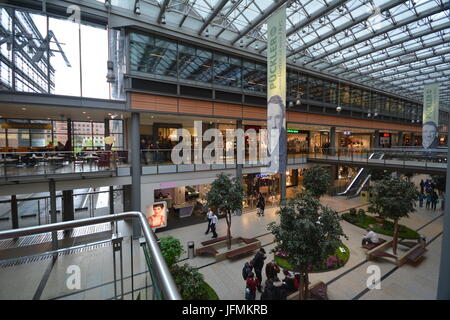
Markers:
(42, 126)
(347, 133)
(292, 131)
(387, 135)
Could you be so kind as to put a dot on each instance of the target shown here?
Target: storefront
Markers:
(319, 140)
(297, 141)
(385, 140)
(354, 141)
(268, 185)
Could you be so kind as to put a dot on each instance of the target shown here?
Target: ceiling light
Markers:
(163, 19)
(256, 47)
(24, 109)
(137, 7)
(84, 112)
(241, 43)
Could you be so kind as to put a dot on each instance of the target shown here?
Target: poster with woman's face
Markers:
(156, 215)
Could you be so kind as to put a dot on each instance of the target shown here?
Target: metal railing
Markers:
(157, 266)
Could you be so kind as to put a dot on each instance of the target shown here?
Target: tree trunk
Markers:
(395, 239)
(301, 287)
(228, 218)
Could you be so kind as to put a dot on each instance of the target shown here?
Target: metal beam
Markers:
(384, 30)
(163, 10)
(314, 16)
(212, 16)
(347, 25)
(269, 11)
(394, 43)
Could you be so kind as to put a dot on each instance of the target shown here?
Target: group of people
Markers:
(274, 288)
(212, 222)
(429, 195)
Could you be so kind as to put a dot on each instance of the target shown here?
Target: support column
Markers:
(68, 213)
(332, 151)
(444, 273)
(111, 200)
(14, 212)
(135, 169)
(400, 139)
(376, 140)
(412, 140)
(69, 135)
(52, 189)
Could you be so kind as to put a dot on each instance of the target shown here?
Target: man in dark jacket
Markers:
(258, 264)
(274, 290)
(248, 267)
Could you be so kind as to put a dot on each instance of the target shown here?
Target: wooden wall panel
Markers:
(254, 113)
(195, 107)
(227, 110)
(153, 103)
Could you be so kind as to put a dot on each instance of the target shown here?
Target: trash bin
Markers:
(191, 249)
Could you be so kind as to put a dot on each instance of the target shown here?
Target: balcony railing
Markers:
(136, 269)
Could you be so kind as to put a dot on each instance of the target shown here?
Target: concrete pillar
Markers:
(68, 212)
(127, 198)
(376, 140)
(135, 169)
(53, 219)
(400, 139)
(444, 273)
(111, 200)
(14, 212)
(332, 141)
(412, 140)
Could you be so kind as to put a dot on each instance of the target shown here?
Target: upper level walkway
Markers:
(417, 160)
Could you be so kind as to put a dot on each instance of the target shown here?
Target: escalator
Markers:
(355, 187)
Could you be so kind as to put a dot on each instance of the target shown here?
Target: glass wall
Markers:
(48, 55)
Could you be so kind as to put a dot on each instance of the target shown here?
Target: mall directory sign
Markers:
(276, 92)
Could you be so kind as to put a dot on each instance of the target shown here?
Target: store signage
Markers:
(293, 131)
(276, 93)
(387, 135)
(168, 185)
(430, 116)
(347, 133)
(42, 126)
(261, 175)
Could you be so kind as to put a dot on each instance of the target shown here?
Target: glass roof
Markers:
(394, 45)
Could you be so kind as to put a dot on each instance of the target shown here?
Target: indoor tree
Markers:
(308, 233)
(393, 198)
(226, 196)
(440, 182)
(316, 181)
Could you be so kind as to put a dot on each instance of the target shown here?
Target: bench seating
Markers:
(206, 251)
(249, 240)
(409, 244)
(206, 243)
(371, 246)
(318, 291)
(382, 254)
(416, 255)
(242, 251)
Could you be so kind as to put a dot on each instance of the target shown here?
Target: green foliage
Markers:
(379, 174)
(440, 182)
(316, 181)
(352, 212)
(171, 250)
(393, 198)
(212, 295)
(386, 228)
(361, 212)
(308, 232)
(190, 283)
(225, 195)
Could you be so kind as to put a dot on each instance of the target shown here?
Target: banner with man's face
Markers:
(276, 91)
(430, 116)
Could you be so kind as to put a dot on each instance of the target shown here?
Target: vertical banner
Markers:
(430, 116)
(276, 91)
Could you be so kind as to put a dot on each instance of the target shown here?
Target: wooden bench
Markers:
(206, 243)
(249, 240)
(242, 251)
(318, 291)
(371, 246)
(415, 256)
(382, 254)
(409, 244)
(206, 251)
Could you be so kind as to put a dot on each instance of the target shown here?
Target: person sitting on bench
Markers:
(370, 237)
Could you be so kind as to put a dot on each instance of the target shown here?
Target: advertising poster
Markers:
(276, 91)
(156, 215)
(430, 116)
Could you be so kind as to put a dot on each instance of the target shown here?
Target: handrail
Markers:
(162, 271)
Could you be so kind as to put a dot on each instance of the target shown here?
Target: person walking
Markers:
(422, 186)
(209, 215)
(421, 198)
(258, 264)
(252, 284)
(428, 203)
(261, 205)
(434, 200)
(213, 224)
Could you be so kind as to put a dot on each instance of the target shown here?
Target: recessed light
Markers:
(24, 109)
(84, 112)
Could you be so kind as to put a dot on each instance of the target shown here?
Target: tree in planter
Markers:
(226, 195)
(379, 174)
(393, 198)
(439, 181)
(171, 250)
(316, 181)
(308, 233)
